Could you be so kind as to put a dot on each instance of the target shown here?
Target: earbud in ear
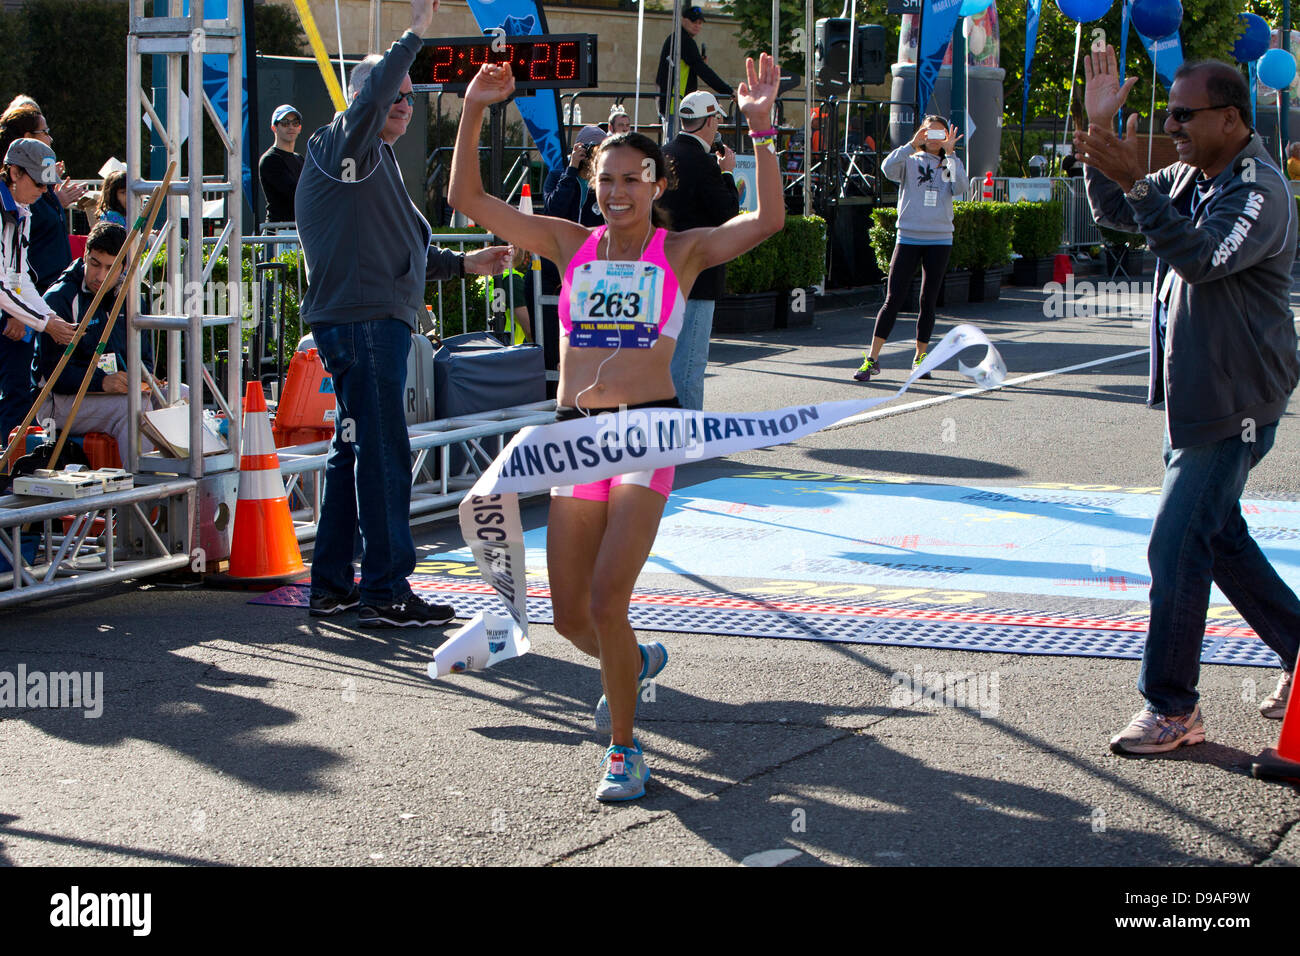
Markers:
(658, 191)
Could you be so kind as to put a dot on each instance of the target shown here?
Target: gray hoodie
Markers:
(365, 243)
(919, 173)
(1228, 358)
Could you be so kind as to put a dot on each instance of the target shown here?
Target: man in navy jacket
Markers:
(104, 408)
(1222, 223)
(368, 255)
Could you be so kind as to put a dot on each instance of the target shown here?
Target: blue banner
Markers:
(1031, 42)
(1170, 56)
(541, 110)
(938, 19)
(217, 85)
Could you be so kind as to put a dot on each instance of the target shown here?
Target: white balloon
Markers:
(976, 40)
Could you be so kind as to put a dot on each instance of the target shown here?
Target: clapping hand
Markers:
(1102, 94)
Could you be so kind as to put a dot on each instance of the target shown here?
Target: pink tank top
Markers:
(672, 308)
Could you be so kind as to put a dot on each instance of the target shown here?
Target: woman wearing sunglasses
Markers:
(599, 534)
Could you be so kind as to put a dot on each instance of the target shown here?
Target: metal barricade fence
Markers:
(1078, 228)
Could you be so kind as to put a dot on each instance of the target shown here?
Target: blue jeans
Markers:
(16, 391)
(691, 357)
(368, 475)
(1199, 536)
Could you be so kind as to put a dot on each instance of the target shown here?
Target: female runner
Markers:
(600, 534)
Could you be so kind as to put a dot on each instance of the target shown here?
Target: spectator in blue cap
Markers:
(280, 167)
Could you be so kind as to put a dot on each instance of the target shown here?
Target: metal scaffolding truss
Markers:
(180, 45)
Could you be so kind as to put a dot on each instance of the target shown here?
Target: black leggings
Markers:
(902, 266)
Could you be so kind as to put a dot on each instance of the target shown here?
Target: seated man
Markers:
(104, 408)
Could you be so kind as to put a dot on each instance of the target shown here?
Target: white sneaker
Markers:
(1152, 733)
(1274, 705)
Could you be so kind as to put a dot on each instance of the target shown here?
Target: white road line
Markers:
(966, 393)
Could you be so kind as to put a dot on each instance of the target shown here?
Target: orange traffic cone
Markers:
(1283, 762)
(263, 544)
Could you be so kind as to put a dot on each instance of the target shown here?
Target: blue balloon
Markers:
(973, 8)
(1084, 11)
(1253, 42)
(1277, 69)
(1157, 19)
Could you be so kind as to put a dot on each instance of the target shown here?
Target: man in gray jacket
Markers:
(1222, 223)
(368, 256)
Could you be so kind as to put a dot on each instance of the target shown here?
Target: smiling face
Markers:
(399, 115)
(626, 186)
(620, 123)
(1209, 137)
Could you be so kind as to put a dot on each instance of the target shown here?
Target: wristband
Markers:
(766, 134)
(768, 141)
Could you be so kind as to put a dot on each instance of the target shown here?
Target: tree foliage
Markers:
(70, 56)
(1208, 32)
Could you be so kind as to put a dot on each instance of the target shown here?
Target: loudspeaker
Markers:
(869, 65)
(831, 55)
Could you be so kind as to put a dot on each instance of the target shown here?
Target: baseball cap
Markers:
(591, 135)
(35, 158)
(693, 13)
(699, 105)
(282, 111)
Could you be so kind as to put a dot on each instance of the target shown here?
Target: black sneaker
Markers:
(327, 605)
(411, 611)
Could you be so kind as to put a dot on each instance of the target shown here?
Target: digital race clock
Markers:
(539, 62)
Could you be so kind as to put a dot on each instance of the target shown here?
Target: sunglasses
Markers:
(290, 122)
(1181, 114)
(409, 97)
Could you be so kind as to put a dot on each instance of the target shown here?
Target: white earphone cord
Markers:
(619, 346)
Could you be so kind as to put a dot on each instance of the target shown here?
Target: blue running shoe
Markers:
(654, 658)
(625, 774)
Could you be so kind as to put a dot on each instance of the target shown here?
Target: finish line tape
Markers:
(602, 446)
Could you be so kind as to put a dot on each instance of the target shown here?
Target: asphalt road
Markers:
(236, 734)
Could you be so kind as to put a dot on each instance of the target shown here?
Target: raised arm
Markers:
(755, 97)
(554, 239)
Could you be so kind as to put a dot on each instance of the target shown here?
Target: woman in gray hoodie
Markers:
(929, 175)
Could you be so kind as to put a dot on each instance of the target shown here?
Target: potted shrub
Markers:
(883, 236)
(1035, 237)
(991, 227)
(750, 302)
(956, 281)
(800, 265)
(1124, 251)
